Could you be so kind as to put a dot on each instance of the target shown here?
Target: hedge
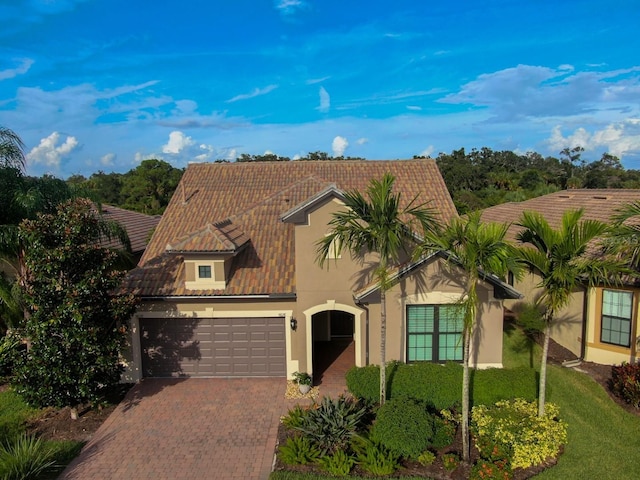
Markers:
(441, 385)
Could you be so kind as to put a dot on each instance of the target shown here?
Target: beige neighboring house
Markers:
(230, 287)
(601, 323)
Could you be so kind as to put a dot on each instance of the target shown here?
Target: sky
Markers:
(100, 85)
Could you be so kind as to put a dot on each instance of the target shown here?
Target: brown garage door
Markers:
(213, 347)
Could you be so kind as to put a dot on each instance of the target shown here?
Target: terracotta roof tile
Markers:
(252, 197)
(138, 226)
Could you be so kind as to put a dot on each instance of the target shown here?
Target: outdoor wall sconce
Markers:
(294, 324)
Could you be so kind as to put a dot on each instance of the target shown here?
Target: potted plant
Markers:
(303, 379)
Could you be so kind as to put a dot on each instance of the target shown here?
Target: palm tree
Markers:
(376, 224)
(561, 258)
(624, 238)
(11, 149)
(477, 249)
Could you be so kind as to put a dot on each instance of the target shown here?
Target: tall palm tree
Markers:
(11, 149)
(476, 248)
(624, 238)
(561, 258)
(377, 224)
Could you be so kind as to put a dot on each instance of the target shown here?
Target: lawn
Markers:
(602, 437)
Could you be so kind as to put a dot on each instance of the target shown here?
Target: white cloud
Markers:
(108, 159)
(139, 157)
(207, 153)
(21, 69)
(256, 92)
(339, 145)
(415, 108)
(288, 7)
(619, 139)
(362, 141)
(178, 141)
(325, 100)
(427, 151)
(313, 81)
(49, 152)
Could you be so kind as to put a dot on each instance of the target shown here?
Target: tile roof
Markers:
(253, 197)
(138, 226)
(598, 204)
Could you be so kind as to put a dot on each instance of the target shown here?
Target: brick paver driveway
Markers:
(187, 429)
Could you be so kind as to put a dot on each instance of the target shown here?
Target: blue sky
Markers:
(103, 84)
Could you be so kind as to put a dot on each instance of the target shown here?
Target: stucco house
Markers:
(229, 284)
(600, 324)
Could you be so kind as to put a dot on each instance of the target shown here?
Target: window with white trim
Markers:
(434, 333)
(617, 310)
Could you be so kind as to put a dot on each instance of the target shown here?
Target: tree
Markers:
(560, 257)
(624, 238)
(11, 149)
(78, 321)
(476, 248)
(378, 224)
(149, 187)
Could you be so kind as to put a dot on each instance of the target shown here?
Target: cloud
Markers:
(256, 92)
(529, 91)
(21, 69)
(339, 145)
(427, 151)
(325, 100)
(178, 141)
(362, 141)
(619, 139)
(49, 153)
(289, 7)
(108, 159)
(415, 108)
(313, 81)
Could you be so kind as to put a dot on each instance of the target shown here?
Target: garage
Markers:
(213, 347)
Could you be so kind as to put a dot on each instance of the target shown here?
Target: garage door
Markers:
(213, 347)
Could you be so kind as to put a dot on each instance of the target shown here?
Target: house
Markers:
(600, 324)
(139, 227)
(229, 284)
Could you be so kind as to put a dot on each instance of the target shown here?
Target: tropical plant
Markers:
(11, 149)
(374, 458)
(339, 464)
(333, 423)
(477, 249)
(560, 257)
(299, 450)
(624, 238)
(625, 382)
(25, 457)
(382, 225)
(302, 378)
(78, 319)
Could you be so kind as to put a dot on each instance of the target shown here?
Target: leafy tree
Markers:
(559, 256)
(267, 157)
(149, 187)
(78, 322)
(377, 224)
(624, 238)
(11, 149)
(476, 248)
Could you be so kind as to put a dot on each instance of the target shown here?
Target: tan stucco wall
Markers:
(567, 327)
(603, 353)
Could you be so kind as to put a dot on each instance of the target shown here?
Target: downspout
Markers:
(585, 317)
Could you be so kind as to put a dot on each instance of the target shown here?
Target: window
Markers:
(204, 271)
(434, 333)
(616, 317)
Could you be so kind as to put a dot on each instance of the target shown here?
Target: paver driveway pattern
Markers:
(192, 429)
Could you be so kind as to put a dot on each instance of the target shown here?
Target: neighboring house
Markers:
(600, 324)
(139, 228)
(229, 284)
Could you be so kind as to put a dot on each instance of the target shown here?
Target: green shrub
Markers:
(14, 414)
(25, 458)
(450, 461)
(404, 426)
(513, 428)
(294, 417)
(9, 345)
(299, 450)
(441, 385)
(332, 424)
(426, 458)
(486, 470)
(444, 431)
(374, 458)
(339, 464)
(625, 382)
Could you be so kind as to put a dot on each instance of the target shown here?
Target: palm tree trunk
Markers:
(465, 395)
(383, 351)
(543, 370)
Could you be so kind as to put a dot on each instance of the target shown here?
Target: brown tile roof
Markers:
(252, 197)
(598, 204)
(138, 226)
